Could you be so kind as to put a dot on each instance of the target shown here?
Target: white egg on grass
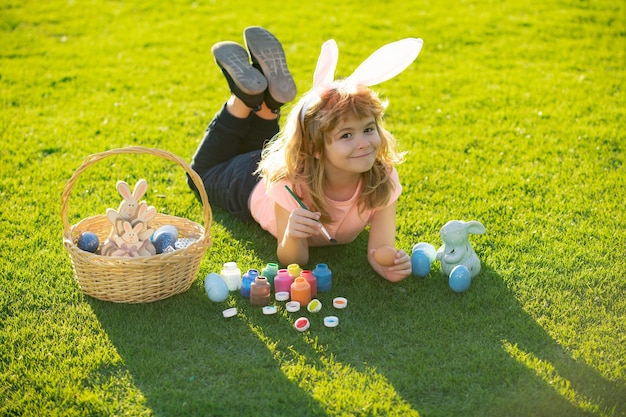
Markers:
(428, 249)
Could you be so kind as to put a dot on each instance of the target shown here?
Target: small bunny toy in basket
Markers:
(128, 244)
(456, 248)
(130, 203)
(131, 231)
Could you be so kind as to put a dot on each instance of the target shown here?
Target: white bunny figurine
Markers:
(456, 248)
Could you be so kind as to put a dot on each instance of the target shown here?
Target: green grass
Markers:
(513, 115)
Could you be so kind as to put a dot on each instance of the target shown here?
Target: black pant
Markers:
(227, 158)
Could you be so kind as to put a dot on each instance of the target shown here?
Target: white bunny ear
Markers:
(326, 65)
(387, 62)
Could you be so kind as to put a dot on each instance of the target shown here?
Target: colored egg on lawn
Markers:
(420, 263)
(215, 287)
(460, 279)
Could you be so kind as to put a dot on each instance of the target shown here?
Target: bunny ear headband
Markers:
(384, 64)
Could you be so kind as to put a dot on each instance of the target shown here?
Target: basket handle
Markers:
(92, 159)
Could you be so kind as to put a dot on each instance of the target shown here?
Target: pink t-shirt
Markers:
(347, 224)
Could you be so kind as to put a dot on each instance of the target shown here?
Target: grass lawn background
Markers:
(513, 115)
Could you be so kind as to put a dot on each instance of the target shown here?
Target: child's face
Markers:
(353, 146)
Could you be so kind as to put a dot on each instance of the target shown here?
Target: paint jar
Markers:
(247, 280)
(301, 291)
(283, 281)
(308, 275)
(269, 272)
(324, 277)
(294, 270)
(231, 275)
(260, 291)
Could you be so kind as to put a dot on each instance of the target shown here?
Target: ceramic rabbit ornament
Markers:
(384, 64)
(456, 248)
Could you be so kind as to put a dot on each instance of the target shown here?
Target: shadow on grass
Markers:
(188, 360)
(405, 349)
(477, 353)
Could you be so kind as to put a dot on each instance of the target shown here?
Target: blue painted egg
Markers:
(420, 263)
(429, 249)
(460, 278)
(89, 242)
(168, 228)
(215, 287)
(163, 241)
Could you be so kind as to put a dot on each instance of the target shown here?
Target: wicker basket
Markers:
(136, 280)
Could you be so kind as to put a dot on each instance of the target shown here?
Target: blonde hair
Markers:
(296, 154)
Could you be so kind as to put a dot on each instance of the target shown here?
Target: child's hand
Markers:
(400, 269)
(302, 224)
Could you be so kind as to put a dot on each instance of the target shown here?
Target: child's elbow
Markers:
(289, 259)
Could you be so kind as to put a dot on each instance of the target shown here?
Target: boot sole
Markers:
(268, 53)
(233, 58)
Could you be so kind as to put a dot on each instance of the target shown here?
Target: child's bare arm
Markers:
(383, 233)
(292, 231)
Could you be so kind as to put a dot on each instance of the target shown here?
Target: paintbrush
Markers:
(306, 208)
